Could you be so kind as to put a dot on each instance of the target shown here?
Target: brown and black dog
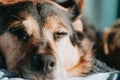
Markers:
(40, 40)
(111, 40)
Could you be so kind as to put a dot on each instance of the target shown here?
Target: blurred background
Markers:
(101, 13)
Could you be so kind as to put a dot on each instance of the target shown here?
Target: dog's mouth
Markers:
(27, 71)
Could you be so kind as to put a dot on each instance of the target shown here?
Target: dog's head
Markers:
(39, 39)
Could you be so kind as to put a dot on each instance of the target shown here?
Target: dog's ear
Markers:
(78, 7)
(77, 22)
(78, 25)
(74, 7)
(77, 14)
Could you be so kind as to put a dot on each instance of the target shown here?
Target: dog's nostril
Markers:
(52, 64)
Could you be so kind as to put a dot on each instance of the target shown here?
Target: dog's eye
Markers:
(20, 33)
(59, 35)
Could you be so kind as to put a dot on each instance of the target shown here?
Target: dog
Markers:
(111, 42)
(41, 40)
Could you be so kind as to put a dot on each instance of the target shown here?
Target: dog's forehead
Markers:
(39, 11)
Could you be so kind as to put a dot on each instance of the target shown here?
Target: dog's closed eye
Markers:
(20, 33)
(59, 35)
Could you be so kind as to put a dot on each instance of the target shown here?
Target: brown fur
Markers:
(112, 45)
(31, 31)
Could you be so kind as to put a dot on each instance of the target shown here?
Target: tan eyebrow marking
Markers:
(61, 25)
(31, 26)
(13, 24)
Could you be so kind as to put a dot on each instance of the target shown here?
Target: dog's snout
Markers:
(45, 63)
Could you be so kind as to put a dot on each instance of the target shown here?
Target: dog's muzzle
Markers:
(44, 63)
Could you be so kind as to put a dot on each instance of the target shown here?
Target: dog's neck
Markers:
(99, 66)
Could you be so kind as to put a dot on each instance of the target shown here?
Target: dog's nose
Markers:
(45, 63)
